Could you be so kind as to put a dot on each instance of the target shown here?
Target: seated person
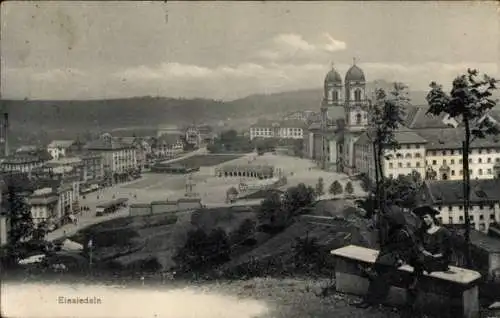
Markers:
(434, 248)
(398, 248)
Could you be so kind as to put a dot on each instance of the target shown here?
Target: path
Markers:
(201, 151)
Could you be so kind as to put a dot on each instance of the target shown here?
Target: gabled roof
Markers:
(107, 144)
(60, 144)
(451, 192)
(450, 138)
(416, 117)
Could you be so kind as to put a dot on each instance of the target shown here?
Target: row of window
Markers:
(479, 160)
(272, 129)
(460, 207)
(408, 165)
(459, 151)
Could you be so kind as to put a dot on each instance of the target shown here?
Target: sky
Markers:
(227, 50)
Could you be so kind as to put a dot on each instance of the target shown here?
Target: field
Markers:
(206, 160)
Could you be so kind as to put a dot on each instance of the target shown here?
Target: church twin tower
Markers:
(352, 96)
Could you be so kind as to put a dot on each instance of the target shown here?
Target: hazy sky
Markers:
(226, 50)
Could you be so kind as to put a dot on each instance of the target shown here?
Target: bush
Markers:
(202, 251)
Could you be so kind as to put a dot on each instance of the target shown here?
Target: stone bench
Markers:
(453, 293)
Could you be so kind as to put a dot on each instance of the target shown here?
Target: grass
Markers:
(297, 298)
(206, 160)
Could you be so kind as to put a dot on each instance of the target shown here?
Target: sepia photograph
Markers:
(250, 159)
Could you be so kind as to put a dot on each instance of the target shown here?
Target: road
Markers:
(200, 151)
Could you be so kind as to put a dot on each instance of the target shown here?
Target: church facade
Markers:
(330, 141)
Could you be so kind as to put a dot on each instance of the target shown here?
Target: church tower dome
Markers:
(355, 74)
(333, 77)
(333, 89)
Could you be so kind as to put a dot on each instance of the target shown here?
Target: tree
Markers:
(231, 194)
(202, 251)
(270, 208)
(306, 253)
(320, 187)
(41, 230)
(246, 229)
(386, 118)
(349, 188)
(335, 188)
(218, 249)
(192, 256)
(21, 221)
(402, 191)
(298, 197)
(468, 102)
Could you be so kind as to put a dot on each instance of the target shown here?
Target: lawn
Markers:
(207, 160)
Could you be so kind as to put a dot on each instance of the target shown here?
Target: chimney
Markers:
(6, 133)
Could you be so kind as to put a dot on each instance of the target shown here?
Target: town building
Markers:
(409, 157)
(283, 129)
(25, 159)
(60, 148)
(142, 149)
(93, 167)
(168, 146)
(119, 159)
(199, 135)
(44, 206)
(54, 202)
(447, 196)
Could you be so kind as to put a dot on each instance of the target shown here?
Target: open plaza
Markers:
(204, 184)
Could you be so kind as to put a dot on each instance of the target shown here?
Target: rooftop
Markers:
(60, 143)
(107, 144)
(291, 123)
(451, 192)
(450, 138)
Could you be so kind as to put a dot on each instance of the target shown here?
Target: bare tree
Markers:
(468, 102)
(387, 115)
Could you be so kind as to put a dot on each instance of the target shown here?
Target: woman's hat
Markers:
(424, 210)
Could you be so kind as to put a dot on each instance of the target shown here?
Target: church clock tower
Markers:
(356, 108)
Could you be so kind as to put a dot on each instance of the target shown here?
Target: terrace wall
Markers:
(163, 207)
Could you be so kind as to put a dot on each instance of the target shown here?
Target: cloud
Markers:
(293, 46)
(220, 82)
(56, 75)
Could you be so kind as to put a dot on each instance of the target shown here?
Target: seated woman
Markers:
(433, 245)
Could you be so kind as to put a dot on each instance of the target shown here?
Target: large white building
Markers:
(447, 197)
(430, 145)
(285, 129)
(435, 153)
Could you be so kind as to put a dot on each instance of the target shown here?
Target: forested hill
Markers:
(153, 111)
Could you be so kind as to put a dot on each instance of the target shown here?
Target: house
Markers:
(199, 135)
(169, 146)
(60, 148)
(44, 206)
